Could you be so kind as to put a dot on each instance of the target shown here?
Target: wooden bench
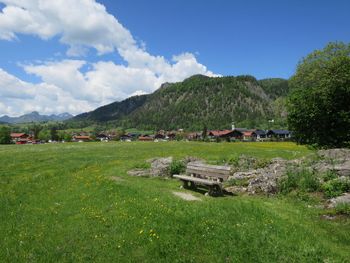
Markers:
(199, 174)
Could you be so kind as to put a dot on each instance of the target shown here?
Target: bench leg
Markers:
(215, 190)
(185, 184)
(193, 185)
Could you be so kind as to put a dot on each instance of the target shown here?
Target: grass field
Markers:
(58, 203)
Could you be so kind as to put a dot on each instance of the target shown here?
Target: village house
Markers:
(81, 138)
(224, 134)
(146, 138)
(126, 138)
(20, 138)
(254, 135)
(278, 134)
(103, 137)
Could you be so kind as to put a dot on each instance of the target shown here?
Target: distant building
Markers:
(279, 134)
(103, 137)
(20, 138)
(235, 134)
(81, 138)
(254, 135)
(146, 138)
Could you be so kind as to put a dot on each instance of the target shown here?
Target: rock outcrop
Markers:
(265, 180)
(343, 199)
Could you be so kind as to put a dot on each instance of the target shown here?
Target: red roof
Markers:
(18, 135)
(82, 137)
(219, 133)
(145, 138)
(248, 133)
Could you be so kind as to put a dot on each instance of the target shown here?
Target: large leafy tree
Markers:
(319, 103)
(5, 137)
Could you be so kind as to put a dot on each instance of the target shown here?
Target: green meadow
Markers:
(74, 202)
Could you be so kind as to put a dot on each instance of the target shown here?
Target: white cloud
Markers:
(19, 97)
(85, 24)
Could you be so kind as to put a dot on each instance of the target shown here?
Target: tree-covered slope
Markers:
(195, 102)
(114, 111)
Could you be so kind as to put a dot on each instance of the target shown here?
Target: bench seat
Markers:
(196, 180)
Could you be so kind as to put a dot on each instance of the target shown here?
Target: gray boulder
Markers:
(343, 199)
(160, 166)
(339, 154)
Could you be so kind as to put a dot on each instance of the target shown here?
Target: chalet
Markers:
(125, 138)
(146, 138)
(133, 135)
(103, 137)
(279, 134)
(81, 138)
(235, 134)
(249, 136)
(160, 136)
(254, 135)
(260, 135)
(20, 138)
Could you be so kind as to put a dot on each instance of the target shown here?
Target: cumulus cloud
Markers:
(18, 97)
(84, 25)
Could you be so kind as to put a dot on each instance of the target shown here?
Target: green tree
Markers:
(44, 135)
(53, 133)
(67, 137)
(319, 103)
(35, 128)
(5, 135)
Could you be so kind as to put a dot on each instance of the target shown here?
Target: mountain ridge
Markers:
(35, 116)
(197, 101)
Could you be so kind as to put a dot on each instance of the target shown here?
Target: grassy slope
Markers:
(58, 203)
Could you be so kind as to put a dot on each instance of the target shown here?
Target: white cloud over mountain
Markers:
(82, 25)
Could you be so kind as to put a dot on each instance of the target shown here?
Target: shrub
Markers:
(308, 181)
(329, 175)
(335, 187)
(177, 167)
(303, 180)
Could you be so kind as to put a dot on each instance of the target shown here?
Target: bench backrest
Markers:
(208, 171)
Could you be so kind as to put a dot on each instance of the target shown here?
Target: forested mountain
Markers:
(197, 102)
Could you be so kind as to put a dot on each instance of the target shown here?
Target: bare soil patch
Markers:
(187, 196)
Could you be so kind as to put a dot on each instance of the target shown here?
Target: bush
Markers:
(177, 167)
(335, 187)
(329, 175)
(303, 180)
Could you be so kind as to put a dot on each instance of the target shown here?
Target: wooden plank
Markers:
(196, 180)
(213, 171)
(219, 167)
(206, 174)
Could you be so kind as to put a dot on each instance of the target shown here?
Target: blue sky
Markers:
(261, 38)
(77, 55)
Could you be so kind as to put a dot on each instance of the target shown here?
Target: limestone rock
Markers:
(160, 166)
(343, 199)
(139, 172)
(340, 154)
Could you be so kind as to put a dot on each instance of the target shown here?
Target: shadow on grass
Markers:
(203, 190)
